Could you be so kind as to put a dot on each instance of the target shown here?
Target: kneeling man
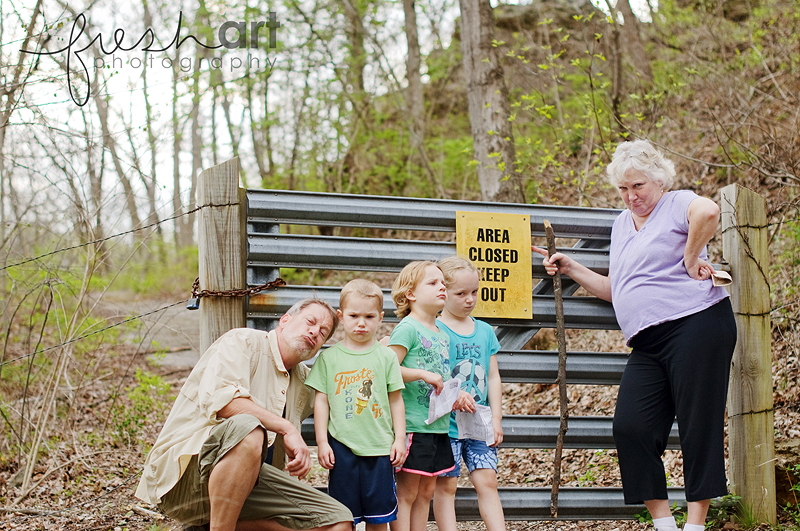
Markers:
(245, 398)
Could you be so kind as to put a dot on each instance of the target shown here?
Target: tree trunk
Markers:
(351, 160)
(10, 105)
(150, 182)
(111, 145)
(177, 203)
(232, 131)
(151, 134)
(631, 31)
(109, 141)
(298, 123)
(213, 132)
(260, 128)
(493, 141)
(197, 149)
(415, 99)
(95, 172)
(615, 55)
(196, 128)
(357, 61)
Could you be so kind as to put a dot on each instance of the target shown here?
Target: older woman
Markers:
(680, 328)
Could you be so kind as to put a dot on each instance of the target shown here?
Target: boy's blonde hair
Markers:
(362, 287)
(411, 275)
(453, 264)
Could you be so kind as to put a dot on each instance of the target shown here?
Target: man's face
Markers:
(304, 333)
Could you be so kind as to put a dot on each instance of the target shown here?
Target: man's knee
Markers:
(247, 452)
(253, 443)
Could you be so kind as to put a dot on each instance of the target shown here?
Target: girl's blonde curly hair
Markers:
(411, 275)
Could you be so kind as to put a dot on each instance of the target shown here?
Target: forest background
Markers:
(103, 135)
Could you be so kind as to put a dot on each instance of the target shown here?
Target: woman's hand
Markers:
(699, 270)
(595, 283)
(703, 217)
(557, 262)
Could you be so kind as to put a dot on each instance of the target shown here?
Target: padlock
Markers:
(193, 304)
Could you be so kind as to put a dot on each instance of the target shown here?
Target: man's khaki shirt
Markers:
(242, 363)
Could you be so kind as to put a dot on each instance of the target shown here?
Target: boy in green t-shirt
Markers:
(359, 415)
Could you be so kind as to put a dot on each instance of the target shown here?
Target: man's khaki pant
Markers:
(276, 495)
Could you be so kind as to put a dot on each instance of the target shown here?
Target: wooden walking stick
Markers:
(562, 373)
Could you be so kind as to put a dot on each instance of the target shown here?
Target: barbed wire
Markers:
(73, 340)
(278, 282)
(100, 240)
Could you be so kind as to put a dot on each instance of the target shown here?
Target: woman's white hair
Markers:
(641, 155)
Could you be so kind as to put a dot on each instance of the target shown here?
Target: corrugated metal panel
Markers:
(574, 503)
(579, 312)
(539, 366)
(373, 254)
(268, 250)
(265, 207)
(540, 431)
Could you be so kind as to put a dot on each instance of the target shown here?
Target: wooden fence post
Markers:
(750, 400)
(220, 245)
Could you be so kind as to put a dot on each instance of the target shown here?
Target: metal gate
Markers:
(240, 243)
(268, 249)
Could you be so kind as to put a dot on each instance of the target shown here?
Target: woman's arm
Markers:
(595, 283)
(703, 216)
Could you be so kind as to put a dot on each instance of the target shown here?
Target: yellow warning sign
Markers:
(500, 246)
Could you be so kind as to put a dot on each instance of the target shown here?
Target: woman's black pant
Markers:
(676, 369)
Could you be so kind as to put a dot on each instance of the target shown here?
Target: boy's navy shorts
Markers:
(364, 484)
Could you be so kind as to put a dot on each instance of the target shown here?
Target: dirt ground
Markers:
(85, 487)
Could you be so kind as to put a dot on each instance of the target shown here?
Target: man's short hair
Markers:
(363, 287)
(305, 303)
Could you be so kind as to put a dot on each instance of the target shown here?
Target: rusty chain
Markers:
(197, 293)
